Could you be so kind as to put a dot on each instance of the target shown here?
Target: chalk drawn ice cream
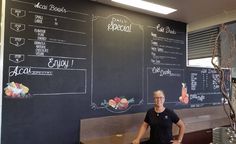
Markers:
(184, 98)
(16, 90)
(118, 103)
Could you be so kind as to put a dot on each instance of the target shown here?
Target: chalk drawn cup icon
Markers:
(16, 58)
(18, 12)
(184, 98)
(17, 27)
(16, 41)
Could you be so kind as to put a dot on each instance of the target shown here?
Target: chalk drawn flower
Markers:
(118, 103)
(16, 90)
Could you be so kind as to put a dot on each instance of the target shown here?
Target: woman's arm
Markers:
(181, 126)
(141, 132)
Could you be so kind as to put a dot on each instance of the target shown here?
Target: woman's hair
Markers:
(159, 92)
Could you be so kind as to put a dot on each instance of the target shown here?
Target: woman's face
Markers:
(159, 99)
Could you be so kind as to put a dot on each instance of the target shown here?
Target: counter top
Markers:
(122, 129)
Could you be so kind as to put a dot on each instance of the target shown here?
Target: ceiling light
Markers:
(147, 6)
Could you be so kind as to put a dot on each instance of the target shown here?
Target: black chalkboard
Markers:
(47, 52)
(118, 62)
(203, 86)
(69, 60)
(168, 80)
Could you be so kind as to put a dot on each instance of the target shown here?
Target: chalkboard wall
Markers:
(69, 60)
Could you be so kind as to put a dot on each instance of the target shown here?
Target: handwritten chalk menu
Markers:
(67, 60)
(46, 48)
(118, 58)
(167, 46)
(170, 81)
(109, 58)
(46, 66)
(203, 86)
(165, 60)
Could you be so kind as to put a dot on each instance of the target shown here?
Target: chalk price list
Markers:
(42, 55)
(165, 50)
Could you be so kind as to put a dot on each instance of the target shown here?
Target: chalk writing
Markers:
(58, 63)
(50, 7)
(164, 72)
(119, 25)
(197, 97)
(166, 29)
(20, 71)
(194, 81)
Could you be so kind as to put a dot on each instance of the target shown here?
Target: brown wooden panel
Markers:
(104, 130)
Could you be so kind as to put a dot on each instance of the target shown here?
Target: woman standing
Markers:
(160, 120)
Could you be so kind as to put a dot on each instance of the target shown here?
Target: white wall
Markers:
(225, 17)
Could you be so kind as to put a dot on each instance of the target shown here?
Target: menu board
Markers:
(166, 60)
(167, 46)
(69, 60)
(203, 86)
(168, 80)
(46, 66)
(47, 45)
(117, 61)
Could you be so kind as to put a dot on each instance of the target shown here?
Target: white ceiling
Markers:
(188, 11)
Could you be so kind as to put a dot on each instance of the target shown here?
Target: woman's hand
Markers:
(175, 142)
(136, 141)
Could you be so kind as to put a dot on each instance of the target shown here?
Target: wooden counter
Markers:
(122, 129)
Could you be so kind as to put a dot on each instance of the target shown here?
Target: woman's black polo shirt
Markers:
(161, 125)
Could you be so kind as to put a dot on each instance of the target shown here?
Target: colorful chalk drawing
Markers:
(16, 90)
(117, 104)
(184, 98)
